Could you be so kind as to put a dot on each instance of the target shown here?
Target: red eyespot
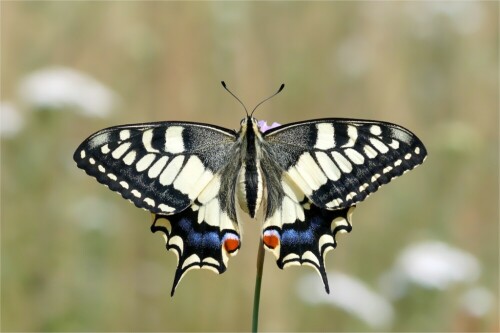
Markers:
(271, 239)
(231, 243)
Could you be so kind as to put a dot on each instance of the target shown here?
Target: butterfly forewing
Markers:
(338, 162)
(161, 167)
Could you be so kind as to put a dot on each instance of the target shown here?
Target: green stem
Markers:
(258, 282)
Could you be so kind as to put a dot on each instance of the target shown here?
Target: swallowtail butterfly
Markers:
(304, 178)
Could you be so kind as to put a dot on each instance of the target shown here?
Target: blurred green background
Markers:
(76, 257)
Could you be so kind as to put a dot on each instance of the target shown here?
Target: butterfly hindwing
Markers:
(339, 162)
(307, 242)
(161, 167)
(196, 243)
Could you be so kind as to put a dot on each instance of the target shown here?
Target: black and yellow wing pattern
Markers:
(320, 169)
(195, 178)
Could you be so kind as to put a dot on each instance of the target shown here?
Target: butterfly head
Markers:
(257, 125)
(249, 122)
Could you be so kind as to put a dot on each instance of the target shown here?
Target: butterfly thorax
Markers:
(250, 185)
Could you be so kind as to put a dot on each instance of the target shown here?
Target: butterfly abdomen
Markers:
(250, 185)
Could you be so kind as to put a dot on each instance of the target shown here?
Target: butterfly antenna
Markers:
(276, 93)
(229, 91)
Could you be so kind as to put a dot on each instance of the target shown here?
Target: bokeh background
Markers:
(424, 252)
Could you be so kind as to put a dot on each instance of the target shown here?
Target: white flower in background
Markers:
(431, 265)
(58, 88)
(465, 17)
(478, 301)
(11, 121)
(91, 213)
(349, 294)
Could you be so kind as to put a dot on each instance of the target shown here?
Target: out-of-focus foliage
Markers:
(74, 256)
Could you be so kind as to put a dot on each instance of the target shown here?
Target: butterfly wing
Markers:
(316, 171)
(339, 162)
(205, 234)
(174, 168)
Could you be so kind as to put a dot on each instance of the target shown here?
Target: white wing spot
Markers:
(130, 158)
(398, 163)
(157, 167)
(124, 184)
(352, 133)
(191, 260)
(173, 140)
(386, 170)
(310, 171)
(334, 203)
(375, 177)
(394, 144)
(407, 156)
(288, 214)
(176, 240)
(201, 213)
(339, 222)
(124, 134)
(210, 191)
(147, 138)
(105, 149)
(291, 256)
(401, 135)
(82, 154)
(212, 213)
(350, 196)
(375, 130)
(201, 184)
(354, 156)
(363, 187)
(112, 176)
(145, 162)
(91, 160)
(417, 150)
(308, 255)
(291, 190)
(324, 240)
(188, 177)
(381, 147)
(118, 152)
(168, 175)
(166, 208)
(149, 201)
(136, 193)
(328, 166)
(342, 162)
(370, 152)
(297, 178)
(325, 138)
(101, 168)
(210, 260)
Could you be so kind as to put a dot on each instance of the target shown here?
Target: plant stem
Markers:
(258, 282)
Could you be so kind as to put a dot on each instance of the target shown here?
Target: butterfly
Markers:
(302, 179)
